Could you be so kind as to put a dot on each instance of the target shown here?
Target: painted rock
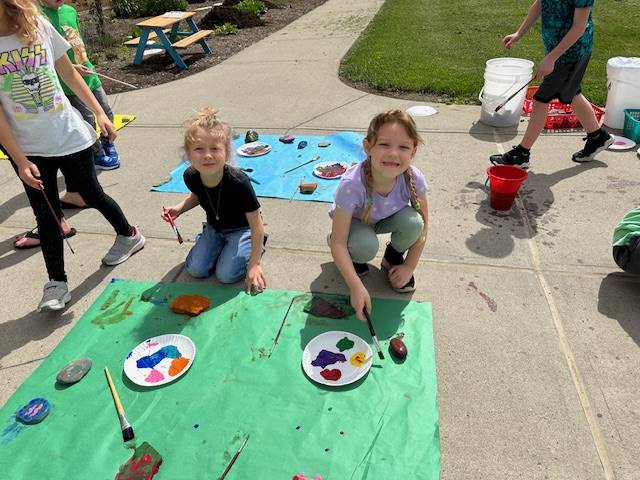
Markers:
(73, 372)
(397, 348)
(251, 136)
(302, 144)
(323, 144)
(190, 304)
(287, 138)
(33, 412)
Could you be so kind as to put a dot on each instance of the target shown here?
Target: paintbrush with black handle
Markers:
(373, 334)
(127, 429)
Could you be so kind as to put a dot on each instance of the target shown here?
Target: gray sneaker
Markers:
(123, 248)
(54, 297)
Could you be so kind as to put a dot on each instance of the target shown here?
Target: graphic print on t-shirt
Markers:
(72, 36)
(26, 77)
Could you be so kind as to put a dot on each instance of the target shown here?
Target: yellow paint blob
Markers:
(358, 359)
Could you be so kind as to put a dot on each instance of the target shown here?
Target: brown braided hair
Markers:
(404, 119)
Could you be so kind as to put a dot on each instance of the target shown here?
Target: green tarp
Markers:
(385, 426)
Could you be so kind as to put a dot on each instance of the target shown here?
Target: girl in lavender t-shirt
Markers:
(383, 194)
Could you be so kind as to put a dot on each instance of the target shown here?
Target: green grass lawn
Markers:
(441, 46)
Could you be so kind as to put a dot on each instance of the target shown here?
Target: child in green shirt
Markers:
(626, 242)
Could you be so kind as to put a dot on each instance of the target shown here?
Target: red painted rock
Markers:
(397, 348)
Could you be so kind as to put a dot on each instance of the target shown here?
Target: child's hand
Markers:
(360, 300)
(510, 40)
(82, 70)
(255, 280)
(30, 175)
(545, 67)
(173, 211)
(399, 275)
(106, 127)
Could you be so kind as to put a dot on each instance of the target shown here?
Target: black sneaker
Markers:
(516, 157)
(391, 258)
(593, 146)
(361, 269)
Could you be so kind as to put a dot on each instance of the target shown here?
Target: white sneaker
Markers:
(123, 248)
(54, 297)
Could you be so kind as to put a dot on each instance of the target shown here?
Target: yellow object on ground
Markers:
(119, 121)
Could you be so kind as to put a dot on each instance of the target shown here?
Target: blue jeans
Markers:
(223, 252)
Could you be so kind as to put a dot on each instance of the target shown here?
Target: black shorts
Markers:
(563, 83)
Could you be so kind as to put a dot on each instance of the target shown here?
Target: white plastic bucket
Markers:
(623, 84)
(502, 78)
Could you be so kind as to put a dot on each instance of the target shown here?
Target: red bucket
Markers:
(504, 183)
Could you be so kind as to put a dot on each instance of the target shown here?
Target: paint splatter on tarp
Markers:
(331, 306)
(143, 464)
(325, 357)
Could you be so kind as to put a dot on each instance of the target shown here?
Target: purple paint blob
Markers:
(325, 357)
(150, 361)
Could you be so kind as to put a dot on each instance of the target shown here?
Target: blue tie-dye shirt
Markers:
(557, 19)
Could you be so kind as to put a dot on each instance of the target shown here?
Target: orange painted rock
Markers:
(190, 304)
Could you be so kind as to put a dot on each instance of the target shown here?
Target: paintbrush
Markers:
(127, 429)
(317, 157)
(373, 334)
(175, 229)
(234, 458)
(497, 109)
(58, 221)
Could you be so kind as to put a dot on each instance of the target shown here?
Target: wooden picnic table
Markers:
(164, 29)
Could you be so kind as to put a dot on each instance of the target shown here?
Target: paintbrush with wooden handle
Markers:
(127, 429)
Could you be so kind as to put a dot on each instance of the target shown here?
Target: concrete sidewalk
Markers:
(536, 330)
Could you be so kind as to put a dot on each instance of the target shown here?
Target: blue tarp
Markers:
(268, 169)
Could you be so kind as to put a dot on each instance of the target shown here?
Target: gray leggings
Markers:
(405, 227)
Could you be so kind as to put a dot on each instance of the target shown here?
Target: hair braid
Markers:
(368, 183)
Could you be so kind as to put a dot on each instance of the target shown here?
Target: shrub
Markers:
(158, 7)
(255, 7)
(125, 8)
(227, 29)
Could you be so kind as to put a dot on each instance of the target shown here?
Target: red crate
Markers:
(559, 116)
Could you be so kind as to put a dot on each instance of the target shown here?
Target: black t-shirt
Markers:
(234, 195)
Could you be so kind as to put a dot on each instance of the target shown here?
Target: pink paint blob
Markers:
(155, 376)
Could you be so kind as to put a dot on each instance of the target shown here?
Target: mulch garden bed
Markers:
(112, 58)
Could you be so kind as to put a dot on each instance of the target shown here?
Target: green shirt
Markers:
(556, 17)
(65, 21)
(627, 229)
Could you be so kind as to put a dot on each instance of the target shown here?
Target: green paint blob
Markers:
(344, 344)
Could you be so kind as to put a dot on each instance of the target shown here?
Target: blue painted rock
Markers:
(287, 138)
(33, 412)
(251, 136)
(73, 372)
(302, 144)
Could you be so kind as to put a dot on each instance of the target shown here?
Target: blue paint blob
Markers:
(196, 425)
(150, 361)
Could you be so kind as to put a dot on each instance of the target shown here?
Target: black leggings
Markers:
(79, 168)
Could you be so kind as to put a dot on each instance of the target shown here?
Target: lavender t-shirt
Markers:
(351, 195)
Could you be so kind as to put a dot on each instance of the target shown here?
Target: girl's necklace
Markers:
(216, 210)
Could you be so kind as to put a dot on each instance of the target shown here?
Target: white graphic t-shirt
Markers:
(40, 115)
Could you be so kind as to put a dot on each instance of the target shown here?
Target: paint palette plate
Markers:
(253, 149)
(336, 358)
(330, 170)
(160, 360)
(621, 143)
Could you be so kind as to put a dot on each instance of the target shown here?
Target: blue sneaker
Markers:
(105, 162)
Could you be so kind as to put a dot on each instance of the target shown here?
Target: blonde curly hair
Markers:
(23, 15)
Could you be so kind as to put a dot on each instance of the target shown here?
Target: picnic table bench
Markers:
(155, 33)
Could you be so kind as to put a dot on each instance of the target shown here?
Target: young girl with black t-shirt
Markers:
(232, 238)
